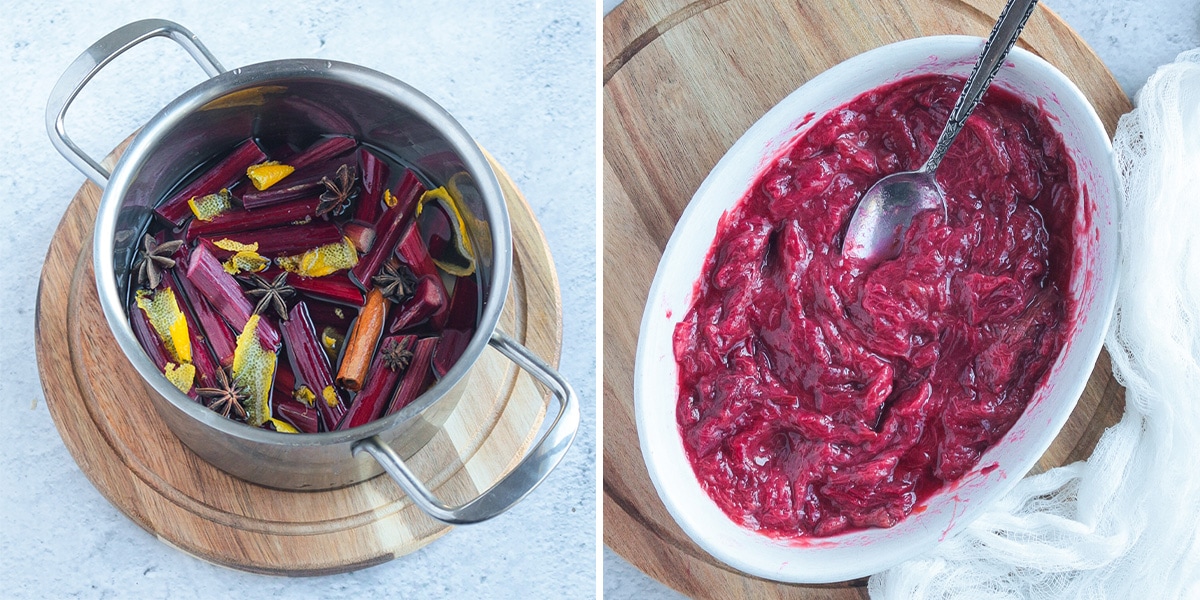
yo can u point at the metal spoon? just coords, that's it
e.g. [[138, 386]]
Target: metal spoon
[[885, 212]]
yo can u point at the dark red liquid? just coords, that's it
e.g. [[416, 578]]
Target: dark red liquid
[[815, 398]]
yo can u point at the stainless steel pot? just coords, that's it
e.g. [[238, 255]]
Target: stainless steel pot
[[306, 98]]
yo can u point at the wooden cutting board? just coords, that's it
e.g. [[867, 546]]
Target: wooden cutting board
[[111, 429], [682, 82]]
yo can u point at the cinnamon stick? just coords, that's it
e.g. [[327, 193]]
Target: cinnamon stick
[[360, 345], [375, 395]]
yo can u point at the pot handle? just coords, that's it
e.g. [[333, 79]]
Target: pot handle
[[522, 480], [95, 58]]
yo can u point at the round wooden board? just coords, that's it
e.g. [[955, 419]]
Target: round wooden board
[[682, 82], [122, 445]]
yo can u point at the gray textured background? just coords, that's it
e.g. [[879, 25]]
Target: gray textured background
[[1132, 38], [519, 75]]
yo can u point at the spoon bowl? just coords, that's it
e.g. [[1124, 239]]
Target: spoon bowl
[[877, 228], [885, 212]]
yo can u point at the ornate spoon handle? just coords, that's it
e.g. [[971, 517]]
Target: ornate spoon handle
[[995, 50]]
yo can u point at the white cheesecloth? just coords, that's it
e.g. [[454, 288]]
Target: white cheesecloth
[[1124, 523]]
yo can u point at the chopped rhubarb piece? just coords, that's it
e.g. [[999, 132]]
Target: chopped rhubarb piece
[[428, 299], [361, 234], [463, 313], [202, 357], [210, 324], [411, 251], [417, 378], [162, 309], [389, 228], [151, 343], [294, 189], [309, 362], [389, 364], [222, 175], [450, 348], [332, 288], [462, 317], [303, 418], [323, 150], [289, 239], [224, 294], [318, 114], [374, 177], [241, 220], [303, 183]]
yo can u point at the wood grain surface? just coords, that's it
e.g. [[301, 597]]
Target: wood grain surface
[[682, 81], [118, 440]]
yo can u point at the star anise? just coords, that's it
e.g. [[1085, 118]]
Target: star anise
[[338, 193], [154, 259], [226, 398], [270, 294], [396, 355], [396, 282]]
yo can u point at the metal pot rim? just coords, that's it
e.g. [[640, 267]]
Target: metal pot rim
[[147, 141]]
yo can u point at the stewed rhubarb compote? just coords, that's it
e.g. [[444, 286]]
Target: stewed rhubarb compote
[[818, 396]]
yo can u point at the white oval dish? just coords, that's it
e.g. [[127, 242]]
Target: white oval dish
[[1093, 286]]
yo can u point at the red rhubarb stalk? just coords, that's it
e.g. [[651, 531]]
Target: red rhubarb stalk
[[335, 288], [361, 234], [416, 378], [241, 220], [223, 292], [322, 150], [299, 184], [389, 228], [151, 343], [381, 380], [462, 316], [290, 189], [450, 348], [463, 313], [144, 332], [223, 175], [428, 299], [211, 325], [202, 357], [286, 240], [300, 416], [374, 176], [412, 252], [309, 362]]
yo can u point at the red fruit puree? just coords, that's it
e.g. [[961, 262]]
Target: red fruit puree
[[818, 397]]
